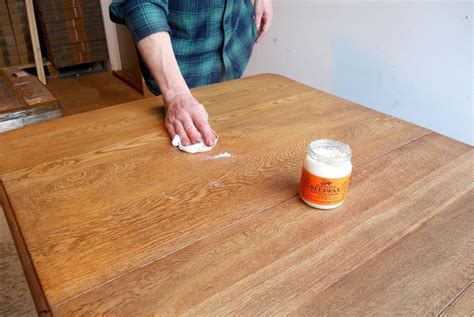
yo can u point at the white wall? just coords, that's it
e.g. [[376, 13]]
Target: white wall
[[411, 59], [110, 29]]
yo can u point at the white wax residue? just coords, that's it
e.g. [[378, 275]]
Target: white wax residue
[[328, 152], [220, 155]]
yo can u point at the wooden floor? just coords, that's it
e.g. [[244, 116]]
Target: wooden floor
[[76, 94], [92, 91]]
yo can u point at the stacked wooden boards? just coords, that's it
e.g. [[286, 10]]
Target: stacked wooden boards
[[15, 40], [24, 100], [72, 31]]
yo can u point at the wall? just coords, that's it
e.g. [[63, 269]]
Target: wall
[[111, 35], [122, 52], [412, 59]]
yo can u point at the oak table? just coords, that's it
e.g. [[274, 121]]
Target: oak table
[[109, 218]]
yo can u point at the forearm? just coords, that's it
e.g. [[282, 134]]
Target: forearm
[[157, 52], [147, 22], [185, 116]]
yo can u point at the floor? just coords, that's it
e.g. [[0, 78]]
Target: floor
[[76, 94], [92, 91], [15, 298]]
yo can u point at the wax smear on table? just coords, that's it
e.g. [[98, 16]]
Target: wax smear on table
[[194, 148]]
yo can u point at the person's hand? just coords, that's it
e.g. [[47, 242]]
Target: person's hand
[[186, 117], [263, 17]]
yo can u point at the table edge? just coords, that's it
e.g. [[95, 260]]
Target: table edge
[[32, 279], [430, 133]]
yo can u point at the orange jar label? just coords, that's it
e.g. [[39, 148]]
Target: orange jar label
[[323, 191]]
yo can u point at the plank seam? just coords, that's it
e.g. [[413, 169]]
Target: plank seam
[[455, 298], [392, 150], [177, 250], [225, 228], [380, 251]]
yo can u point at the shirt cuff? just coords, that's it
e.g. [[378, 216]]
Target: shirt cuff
[[144, 19]]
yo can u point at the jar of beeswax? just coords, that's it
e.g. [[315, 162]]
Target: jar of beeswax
[[326, 174]]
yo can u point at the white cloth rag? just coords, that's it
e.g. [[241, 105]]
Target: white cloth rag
[[194, 148]]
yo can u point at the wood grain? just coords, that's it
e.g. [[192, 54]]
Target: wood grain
[[9, 101], [113, 210], [436, 263], [24, 100], [117, 221], [283, 286], [28, 88], [94, 130], [28, 266], [463, 305], [278, 258]]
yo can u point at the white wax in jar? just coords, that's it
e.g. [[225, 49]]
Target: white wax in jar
[[326, 173]]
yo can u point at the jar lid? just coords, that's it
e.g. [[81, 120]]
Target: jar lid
[[330, 151]]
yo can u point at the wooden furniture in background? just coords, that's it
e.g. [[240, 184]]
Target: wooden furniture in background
[[24, 100], [109, 218]]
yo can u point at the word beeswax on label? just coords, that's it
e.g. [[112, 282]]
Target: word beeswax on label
[[326, 174]]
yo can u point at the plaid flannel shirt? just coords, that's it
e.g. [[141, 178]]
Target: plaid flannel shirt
[[209, 37]]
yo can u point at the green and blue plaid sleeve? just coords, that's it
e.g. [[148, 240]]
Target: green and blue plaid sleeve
[[142, 17], [211, 39]]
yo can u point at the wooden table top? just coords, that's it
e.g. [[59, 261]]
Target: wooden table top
[[109, 218]]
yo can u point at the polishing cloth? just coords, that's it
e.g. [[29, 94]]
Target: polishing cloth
[[193, 148]]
